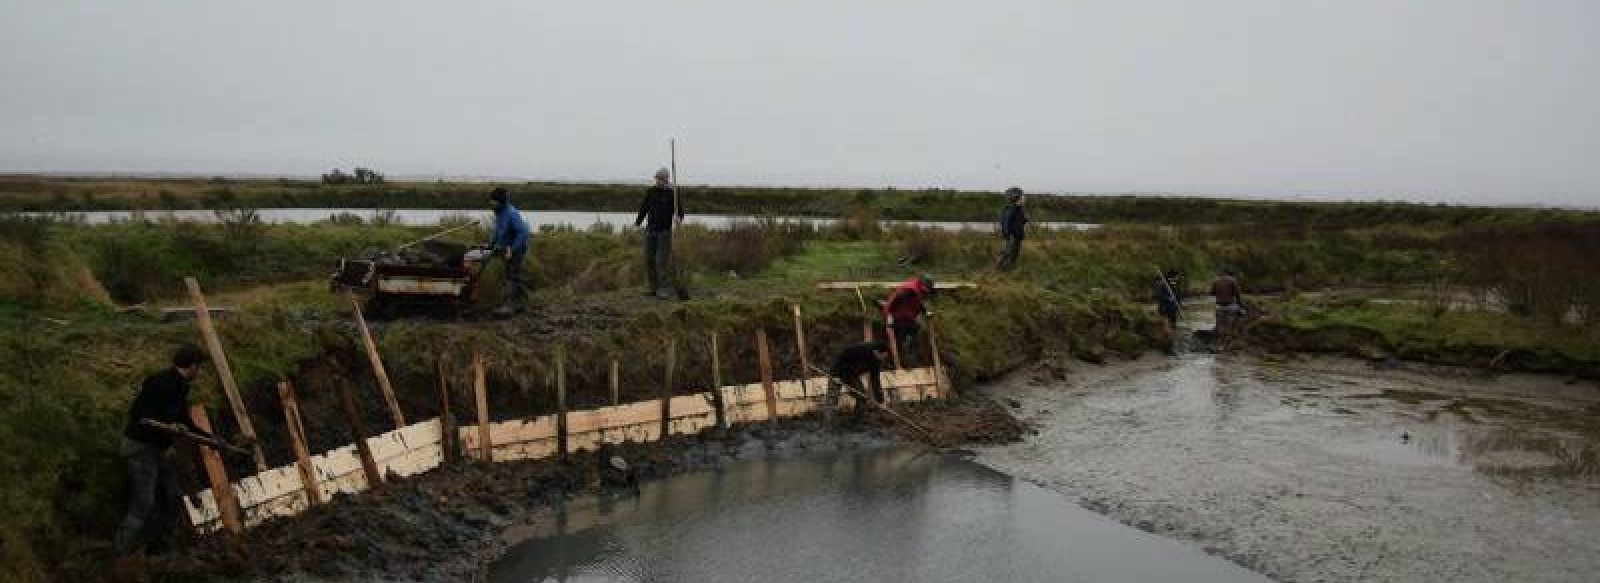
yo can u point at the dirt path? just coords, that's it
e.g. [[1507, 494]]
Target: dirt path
[[1326, 470]]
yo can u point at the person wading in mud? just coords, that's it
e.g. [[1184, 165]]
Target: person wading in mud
[[1168, 295], [904, 306], [662, 210], [1230, 308], [848, 367], [153, 494], [509, 242], [1013, 221]]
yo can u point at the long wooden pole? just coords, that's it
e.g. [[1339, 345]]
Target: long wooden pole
[[376, 361], [561, 403], [805, 356], [864, 398], [352, 416], [764, 353], [666, 389], [672, 146], [297, 442], [481, 391], [219, 359], [217, 476]]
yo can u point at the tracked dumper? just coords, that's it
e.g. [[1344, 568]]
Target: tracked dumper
[[428, 276]]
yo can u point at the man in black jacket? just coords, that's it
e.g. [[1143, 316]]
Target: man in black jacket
[[662, 209], [152, 491], [1012, 223], [857, 360]]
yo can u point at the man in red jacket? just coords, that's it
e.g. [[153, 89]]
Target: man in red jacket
[[905, 305]]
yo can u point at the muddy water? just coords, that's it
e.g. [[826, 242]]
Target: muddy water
[[1327, 469], [885, 514]]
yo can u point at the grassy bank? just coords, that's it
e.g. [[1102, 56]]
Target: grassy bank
[[45, 193], [73, 357], [1434, 332]]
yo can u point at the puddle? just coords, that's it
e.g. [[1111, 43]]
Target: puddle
[[876, 515]]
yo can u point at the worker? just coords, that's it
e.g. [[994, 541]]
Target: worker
[[1230, 307], [848, 367], [905, 305], [1012, 223], [1168, 295], [153, 492], [509, 242], [661, 208]]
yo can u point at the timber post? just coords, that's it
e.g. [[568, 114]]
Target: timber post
[[219, 359]]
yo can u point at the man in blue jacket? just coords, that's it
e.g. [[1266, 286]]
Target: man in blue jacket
[[1012, 223], [510, 242]]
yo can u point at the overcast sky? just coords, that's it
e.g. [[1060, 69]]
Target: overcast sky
[[1454, 100]]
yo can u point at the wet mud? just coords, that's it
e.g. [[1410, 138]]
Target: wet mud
[[885, 514], [1325, 469]]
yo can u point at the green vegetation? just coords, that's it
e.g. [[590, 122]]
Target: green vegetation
[[72, 356]]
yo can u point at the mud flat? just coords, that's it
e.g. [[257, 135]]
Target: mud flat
[[1324, 469]]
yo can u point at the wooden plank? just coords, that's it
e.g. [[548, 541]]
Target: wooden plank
[[800, 344], [217, 475], [297, 443], [352, 416], [219, 359], [480, 391], [561, 402], [764, 352], [666, 388], [376, 361], [836, 285], [721, 409]]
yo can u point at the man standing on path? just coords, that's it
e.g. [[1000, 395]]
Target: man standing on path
[[857, 360], [662, 210], [1168, 295], [1230, 308], [510, 242], [1013, 221], [905, 305], [152, 490]]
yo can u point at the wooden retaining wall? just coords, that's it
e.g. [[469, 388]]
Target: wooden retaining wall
[[418, 447]]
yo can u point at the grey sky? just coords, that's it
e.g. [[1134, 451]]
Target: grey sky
[[1456, 100]]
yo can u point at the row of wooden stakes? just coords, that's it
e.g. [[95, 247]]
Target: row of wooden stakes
[[230, 512]]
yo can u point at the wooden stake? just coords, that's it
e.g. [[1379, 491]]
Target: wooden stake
[[719, 408], [297, 442], [449, 436], [764, 352], [666, 389], [616, 383], [894, 344], [866, 317], [378, 371], [202, 318], [561, 402], [481, 391], [805, 357], [217, 476], [369, 466], [939, 388]]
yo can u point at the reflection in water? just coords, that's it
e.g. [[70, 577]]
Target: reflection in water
[[882, 515]]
